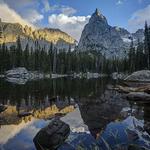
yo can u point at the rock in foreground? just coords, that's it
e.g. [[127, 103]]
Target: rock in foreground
[[141, 76], [52, 136]]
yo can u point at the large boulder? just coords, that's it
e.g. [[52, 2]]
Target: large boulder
[[52, 136], [142, 75]]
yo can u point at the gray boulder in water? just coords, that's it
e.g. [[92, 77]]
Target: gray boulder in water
[[52, 136]]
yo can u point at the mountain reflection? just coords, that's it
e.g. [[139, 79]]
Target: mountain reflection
[[44, 98], [97, 107]]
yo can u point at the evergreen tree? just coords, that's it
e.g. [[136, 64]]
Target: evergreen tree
[[55, 60], [132, 57], [18, 53], [26, 57], [50, 58], [140, 57], [147, 44], [13, 53]]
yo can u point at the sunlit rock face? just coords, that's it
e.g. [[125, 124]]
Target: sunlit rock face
[[9, 33], [111, 41]]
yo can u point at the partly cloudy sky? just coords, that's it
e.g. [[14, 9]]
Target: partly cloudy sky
[[72, 15]]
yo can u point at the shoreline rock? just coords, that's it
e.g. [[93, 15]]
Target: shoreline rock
[[118, 76], [139, 76], [21, 75], [89, 75]]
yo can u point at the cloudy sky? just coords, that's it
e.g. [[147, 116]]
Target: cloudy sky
[[71, 15]]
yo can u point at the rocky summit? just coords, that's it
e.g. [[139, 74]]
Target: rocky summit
[[9, 33], [111, 41]]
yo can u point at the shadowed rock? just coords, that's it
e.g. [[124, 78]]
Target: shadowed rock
[[52, 136]]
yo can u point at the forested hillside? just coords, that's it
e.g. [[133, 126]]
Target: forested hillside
[[66, 61]]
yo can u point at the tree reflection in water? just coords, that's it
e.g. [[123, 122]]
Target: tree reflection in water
[[101, 109]]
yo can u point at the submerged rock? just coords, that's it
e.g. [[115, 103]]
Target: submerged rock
[[52, 136], [142, 75]]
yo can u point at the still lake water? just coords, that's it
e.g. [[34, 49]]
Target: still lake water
[[99, 118]]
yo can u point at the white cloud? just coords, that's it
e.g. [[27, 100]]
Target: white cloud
[[138, 18], [73, 25], [26, 16], [9, 15], [67, 10], [32, 16], [119, 2], [47, 6]]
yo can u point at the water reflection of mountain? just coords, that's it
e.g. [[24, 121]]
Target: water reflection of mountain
[[97, 112], [98, 106], [37, 97], [12, 115]]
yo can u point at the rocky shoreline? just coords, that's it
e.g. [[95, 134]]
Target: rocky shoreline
[[136, 87], [21, 75]]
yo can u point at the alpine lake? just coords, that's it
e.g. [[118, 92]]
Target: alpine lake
[[99, 118]]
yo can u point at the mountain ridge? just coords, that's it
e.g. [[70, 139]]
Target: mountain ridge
[[111, 41], [9, 32]]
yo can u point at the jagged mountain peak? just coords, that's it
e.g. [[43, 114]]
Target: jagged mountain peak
[[97, 12], [97, 16], [111, 41]]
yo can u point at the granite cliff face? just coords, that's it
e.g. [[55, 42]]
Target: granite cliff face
[[9, 33], [111, 41]]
